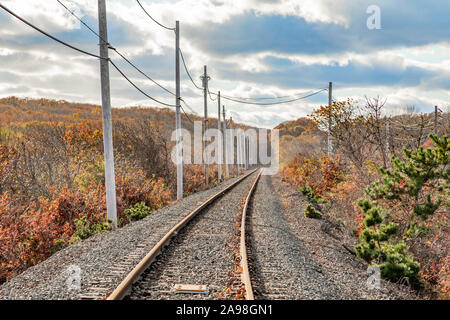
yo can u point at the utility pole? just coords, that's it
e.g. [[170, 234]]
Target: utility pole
[[219, 142], [232, 139], [330, 102], [387, 137], [238, 151], [110, 181], [435, 120], [227, 173], [205, 79], [178, 114], [246, 153], [242, 152]]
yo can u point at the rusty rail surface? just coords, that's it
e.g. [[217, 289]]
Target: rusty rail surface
[[243, 248], [125, 286]]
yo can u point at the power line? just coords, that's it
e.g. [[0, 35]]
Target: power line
[[269, 98], [209, 93], [141, 72], [128, 61], [272, 103], [137, 88], [188, 106], [173, 29], [186, 114], [85, 52], [187, 71], [49, 35], [79, 19], [117, 51], [239, 100]]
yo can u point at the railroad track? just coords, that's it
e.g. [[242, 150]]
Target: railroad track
[[199, 254]]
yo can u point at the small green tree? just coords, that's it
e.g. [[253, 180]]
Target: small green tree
[[85, 228], [138, 211], [415, 188], [311, 212]]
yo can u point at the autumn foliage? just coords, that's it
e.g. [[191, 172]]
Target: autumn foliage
[[52, 174], [52, 177], [405, 172], [320, 174]]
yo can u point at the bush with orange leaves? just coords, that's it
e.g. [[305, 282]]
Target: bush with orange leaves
[[33, 232], [319, 174], [136, 188], [194, 177], [437, 275]]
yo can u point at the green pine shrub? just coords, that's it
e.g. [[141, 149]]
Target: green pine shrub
[[312, 213], [309, 194], [138, 211], [85, 228], [414, 189]]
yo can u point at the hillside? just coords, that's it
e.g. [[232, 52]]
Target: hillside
[[299, 136]]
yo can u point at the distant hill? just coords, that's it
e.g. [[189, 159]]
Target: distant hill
[[16, 111], [299, 135]]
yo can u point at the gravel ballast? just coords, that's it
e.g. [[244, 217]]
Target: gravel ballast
[[312, 249], [110, 255], [291, 256], [201, 254]]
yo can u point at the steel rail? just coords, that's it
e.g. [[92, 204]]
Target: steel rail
[[122, 290], [245, 275]]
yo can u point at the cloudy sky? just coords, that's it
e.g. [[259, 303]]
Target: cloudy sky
[[253, 48]]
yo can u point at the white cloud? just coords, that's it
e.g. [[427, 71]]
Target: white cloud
[[44, 68]]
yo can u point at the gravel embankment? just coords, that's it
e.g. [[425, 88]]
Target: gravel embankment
[[201, 254], [281, 267], [309, 253], [104, 259]]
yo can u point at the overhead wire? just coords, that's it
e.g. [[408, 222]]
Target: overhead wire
[[81, 20], [85, 52], [187, 71], [131, 64], [154, 20], [210, 96], [137, 88], [116, 50], [238, 100], [269, 98], [50, 36], [188, 106], [141, 72], [190, 120], [272, 103], [128, 61]]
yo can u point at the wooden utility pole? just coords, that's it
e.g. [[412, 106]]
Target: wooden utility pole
[[435, 120], [178, 114], [330, 103], [225, 149], [242, 136], [219, 142], [110, 182], [387, 138], [246, 153], [205, 79], [231, 139], [238, 150]]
